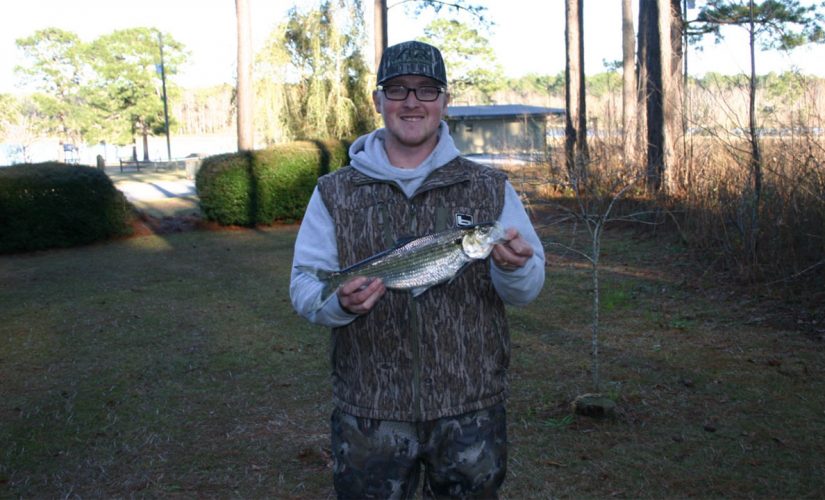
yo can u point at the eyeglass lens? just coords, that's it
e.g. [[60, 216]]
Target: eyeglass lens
[[400, 92]]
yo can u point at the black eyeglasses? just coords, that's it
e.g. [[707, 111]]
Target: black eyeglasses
[[400, 92]]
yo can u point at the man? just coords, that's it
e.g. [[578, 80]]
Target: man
[[415, 380]]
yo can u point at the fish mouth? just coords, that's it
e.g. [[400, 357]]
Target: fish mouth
[[478, 243], [492, 231]]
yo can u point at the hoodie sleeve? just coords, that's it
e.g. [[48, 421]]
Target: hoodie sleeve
[[520, 286], [316, 248]]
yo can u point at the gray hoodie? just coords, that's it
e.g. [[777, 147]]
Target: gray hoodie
[[316, 247]]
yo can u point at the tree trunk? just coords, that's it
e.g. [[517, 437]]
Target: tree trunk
[[244, 89], [647, 11], [575, 144], [380, 18], [654, 105], [756, 152], [628, 85], [663, 56], [675, 175], [594, 331], [145, 135]]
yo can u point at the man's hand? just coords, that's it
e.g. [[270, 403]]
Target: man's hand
[[512, 254], [360, 294]]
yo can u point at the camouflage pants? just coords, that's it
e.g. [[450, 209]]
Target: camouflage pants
[[463, 456]]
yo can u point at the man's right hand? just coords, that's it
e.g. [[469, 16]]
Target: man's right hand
[[360, 294]]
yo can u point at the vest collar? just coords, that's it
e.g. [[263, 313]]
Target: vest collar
[[451, 173]]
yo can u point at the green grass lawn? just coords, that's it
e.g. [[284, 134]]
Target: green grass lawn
[[174, 365]]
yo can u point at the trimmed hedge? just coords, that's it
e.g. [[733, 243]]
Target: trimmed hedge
[[51, 205], [261, 187]]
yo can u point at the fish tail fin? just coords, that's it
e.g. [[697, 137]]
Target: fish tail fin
[[325, 277]]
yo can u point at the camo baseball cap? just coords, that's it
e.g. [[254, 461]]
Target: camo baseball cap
[[412, 58]]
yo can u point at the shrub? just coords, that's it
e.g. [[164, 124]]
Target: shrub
[[49, 205], [261, 187]]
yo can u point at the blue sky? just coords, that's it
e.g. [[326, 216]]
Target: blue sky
[[528, 36]]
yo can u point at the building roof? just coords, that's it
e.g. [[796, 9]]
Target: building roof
[[500, 110]]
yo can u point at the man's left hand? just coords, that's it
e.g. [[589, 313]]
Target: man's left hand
[[512, 254]]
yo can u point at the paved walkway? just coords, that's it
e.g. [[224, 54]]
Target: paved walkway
[[159, 193]]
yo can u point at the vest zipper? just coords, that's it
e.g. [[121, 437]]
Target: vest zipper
[[415, 334], [415, 338]]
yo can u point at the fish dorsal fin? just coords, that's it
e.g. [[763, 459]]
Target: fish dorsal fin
[[400, 242]]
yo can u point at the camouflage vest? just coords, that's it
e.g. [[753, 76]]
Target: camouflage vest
[[445, 352]]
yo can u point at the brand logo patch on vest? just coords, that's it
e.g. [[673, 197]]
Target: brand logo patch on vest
[[463, 220]]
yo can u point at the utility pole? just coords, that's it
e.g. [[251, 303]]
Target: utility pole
[[165, 106]]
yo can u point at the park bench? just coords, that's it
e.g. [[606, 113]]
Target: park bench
[[131, 164]]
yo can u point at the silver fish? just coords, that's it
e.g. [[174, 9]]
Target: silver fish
[[421, 263]]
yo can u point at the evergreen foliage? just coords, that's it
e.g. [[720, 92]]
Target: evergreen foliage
[[106, 89], [777, 24], [51, 205], [126, 89], [473, 68], [54, 65], [265, 186]]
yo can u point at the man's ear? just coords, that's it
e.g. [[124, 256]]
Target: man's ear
[[376, 100], [446, 100]]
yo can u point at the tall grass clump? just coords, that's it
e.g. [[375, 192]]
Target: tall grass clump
[[50, 205], [787, 223], [770, 233], [264, 186]]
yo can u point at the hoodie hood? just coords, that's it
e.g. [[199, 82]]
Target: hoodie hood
[[369, 157]]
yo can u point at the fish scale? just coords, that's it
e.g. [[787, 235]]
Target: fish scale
[[439, 263]]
